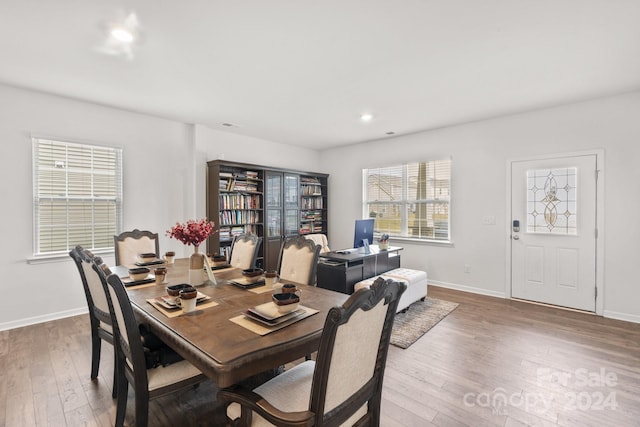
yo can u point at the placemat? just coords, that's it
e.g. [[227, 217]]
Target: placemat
[[144, 285], [262, 330], [261, 289], [178, 312]]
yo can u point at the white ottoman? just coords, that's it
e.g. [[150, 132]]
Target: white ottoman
[[415, 280]]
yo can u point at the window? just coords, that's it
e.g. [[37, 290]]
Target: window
[[411, 200], [77, 196]]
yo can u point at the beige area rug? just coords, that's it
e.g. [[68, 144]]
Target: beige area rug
[[421, 316]]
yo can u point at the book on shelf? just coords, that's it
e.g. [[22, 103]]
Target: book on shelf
[[309, 180]]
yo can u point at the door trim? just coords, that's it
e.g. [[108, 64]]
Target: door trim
[[599, 153]]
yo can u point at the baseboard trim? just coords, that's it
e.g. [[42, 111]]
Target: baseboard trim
[[633, 318], [622, 316], [41, 319], [470, 289]]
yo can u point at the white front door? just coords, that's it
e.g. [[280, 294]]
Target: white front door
[[553, 231]]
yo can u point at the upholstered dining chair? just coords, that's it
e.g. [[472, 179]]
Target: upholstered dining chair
[[99, 316], [129, 244], [132, 369], [244, 251], [298, 260], [320, 240], [343, 386]]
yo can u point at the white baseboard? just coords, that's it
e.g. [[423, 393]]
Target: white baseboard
[[465, 288], [633, 318], [622, 316], [41, 319]]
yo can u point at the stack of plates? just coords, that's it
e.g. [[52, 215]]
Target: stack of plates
[[268, 314]]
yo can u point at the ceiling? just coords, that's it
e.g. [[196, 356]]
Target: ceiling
[[302, 72]]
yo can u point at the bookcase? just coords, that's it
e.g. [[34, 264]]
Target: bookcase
[[272, 203], [313, 202], [235, 198]]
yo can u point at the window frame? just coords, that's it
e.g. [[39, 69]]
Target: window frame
[[406, 201], [115, 200]]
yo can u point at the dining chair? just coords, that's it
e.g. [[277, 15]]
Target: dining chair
[[244, 251], [129, 244], [99, 317], [343, 386], [298, 260], [320, 240], [132, 369]]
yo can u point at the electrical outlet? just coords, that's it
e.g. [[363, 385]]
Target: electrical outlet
[[467, 268]]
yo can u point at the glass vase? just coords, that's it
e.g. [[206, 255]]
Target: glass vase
[[196, 268]]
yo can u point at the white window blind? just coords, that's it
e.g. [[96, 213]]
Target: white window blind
[[77, 196], [410, 200]]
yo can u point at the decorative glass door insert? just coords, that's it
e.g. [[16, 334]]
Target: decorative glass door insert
[[551, 201]]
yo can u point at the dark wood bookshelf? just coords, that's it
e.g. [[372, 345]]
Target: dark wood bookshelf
[[270, 202]]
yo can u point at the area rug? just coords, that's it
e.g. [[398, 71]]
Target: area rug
[[421, 316]]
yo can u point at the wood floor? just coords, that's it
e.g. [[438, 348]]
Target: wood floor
[[492, 362]]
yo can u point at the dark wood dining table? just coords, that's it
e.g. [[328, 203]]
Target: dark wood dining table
[[223, 350]]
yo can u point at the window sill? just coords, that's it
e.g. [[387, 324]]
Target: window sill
[[441, 243], [44, 259]]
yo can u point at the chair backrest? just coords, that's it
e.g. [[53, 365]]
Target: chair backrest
[[347, 380], [94, 292], [320, 240], [126, 330], [244, 251], [298, 260], [129, 244]]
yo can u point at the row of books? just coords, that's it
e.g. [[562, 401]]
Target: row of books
[[309, 180], [228, 233], [242, 175], [238, 185], [311, 190], [311, 203], [311, 215], [311, 227], [239, 201], [239, 217]]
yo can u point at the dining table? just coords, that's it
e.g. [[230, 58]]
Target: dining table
[[219, 337]]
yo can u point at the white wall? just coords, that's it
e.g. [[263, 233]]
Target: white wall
[[213, 144], [480, 153], [164, 168]]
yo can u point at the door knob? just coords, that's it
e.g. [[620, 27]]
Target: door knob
[[516, 237]]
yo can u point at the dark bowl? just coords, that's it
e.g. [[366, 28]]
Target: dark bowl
[[147, 256], [218, 260], [285, 299], [252, 274], [188, 293], [174, 290], [286, 303], [138, 273]]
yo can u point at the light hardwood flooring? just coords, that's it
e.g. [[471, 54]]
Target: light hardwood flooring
[[492, 362]]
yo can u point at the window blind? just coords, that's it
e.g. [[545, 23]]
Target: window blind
[[410, 200], [77, 196]]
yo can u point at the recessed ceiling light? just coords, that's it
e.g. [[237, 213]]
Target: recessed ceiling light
[[122, 35], [366, 117]]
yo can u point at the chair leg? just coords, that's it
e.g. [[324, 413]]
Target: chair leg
[[114, 389], [121, 407], [142, 409], [96, 344]]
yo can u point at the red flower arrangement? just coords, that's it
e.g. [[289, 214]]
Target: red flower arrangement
[[192, 232]]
